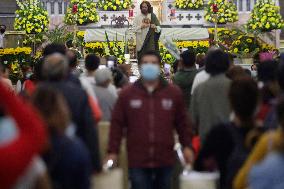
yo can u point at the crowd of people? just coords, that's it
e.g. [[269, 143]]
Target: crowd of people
[[225, 119]]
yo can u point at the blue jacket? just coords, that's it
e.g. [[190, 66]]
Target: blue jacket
[[269, 173], [68, 163]]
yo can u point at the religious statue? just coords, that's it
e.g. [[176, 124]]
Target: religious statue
[[147, 28], [2, 35]]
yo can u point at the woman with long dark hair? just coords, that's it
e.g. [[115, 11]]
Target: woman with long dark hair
[[227, 145]]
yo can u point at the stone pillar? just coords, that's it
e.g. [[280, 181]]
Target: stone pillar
[[281, 4], [7, 13]]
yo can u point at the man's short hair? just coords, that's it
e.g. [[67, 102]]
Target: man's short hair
[[54, 48], [2, 68], [92, 62], [216, 62], [188, 58], [150, 53], [72, 58], [55, 67], [267, 71]]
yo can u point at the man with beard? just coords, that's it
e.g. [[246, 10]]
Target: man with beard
[[147, 27]]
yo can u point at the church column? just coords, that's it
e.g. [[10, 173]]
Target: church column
[[281, 4]]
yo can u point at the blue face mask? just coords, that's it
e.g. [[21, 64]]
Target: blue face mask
[[150, 72]]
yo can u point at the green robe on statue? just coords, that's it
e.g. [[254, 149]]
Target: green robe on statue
[[146, 38]]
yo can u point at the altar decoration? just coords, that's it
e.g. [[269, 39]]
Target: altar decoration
[[114, 5], [197, 47], [19, 54], [117, 49], [32, 18], [265, 17], [104, 49], [15, 59], [228, 36], [245, 47], [166, 56], [81, 12], [221, 11], [189, 4]]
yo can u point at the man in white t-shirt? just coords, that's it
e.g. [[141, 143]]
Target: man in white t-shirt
[[199, 78]]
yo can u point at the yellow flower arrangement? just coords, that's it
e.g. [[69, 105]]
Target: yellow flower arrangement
[[32, 18], [114, 5], [265, 16], [245, 46], [189, 4], [16, 51], [86, 12], [81, 34], [14, 59], [196, 46], [227, 12]]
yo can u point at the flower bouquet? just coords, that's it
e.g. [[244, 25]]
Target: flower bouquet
[[265, 17], [114, 5], [189, 4], [81, 12], [221, 11], [245, 47], [32, 18]]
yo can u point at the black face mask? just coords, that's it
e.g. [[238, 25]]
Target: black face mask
[[2, 30]]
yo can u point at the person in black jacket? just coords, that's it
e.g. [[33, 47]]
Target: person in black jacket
[[227, 145], [55, 70]]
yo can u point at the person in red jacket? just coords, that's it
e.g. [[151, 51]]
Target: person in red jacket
[[16, 155], [149, 111]]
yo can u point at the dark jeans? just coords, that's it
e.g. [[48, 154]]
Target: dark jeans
[[150, 178]]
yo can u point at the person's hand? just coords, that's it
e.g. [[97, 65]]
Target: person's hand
[[188, 155], [144, 25], [113, 157], [153, 26]]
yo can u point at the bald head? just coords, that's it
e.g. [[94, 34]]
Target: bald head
[[55, 67]]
